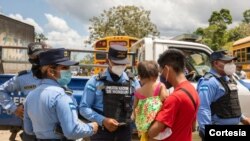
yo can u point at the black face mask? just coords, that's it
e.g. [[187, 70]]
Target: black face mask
[[165, 82]]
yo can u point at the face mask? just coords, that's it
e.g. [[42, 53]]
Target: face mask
[[229, 68], [65, 77], [118, 70], [165, 82]]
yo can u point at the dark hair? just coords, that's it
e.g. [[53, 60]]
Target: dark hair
[[41, 74], [174, 58], [148, 69]]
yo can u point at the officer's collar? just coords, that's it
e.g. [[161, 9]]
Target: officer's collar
[[218, 75], [122, 77], [50, 82]]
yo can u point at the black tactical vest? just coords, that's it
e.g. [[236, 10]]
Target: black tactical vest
[[227, 106], [117, 100]]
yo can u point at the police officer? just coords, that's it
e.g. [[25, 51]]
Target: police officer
[[49, 112], [107, 98], [23, 82], [219, 95]]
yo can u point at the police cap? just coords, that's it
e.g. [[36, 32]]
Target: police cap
[[221, 55], [55, 56], [118, 54]]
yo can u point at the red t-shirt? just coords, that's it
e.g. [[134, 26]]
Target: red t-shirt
[[178, 112]]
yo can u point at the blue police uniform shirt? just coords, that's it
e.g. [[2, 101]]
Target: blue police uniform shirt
[[210, 91], [92, 97], [47, 106], [24, 83]]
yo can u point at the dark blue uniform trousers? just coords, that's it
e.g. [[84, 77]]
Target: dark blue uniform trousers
[[123, 133]]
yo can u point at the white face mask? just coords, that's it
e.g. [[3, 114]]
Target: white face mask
[[118, 70], [230, 68]]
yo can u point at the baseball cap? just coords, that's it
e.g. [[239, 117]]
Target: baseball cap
[[35, 48], [55, 56], [118, 54], [221, 55]]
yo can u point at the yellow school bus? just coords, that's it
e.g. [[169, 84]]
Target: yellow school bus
[[241, 49], [103, 44]]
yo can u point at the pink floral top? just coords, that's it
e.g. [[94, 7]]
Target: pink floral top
[[146, 109]]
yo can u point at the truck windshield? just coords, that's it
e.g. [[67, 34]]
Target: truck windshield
[[197, 61]]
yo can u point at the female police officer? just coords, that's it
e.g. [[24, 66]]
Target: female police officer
[[49, 106]]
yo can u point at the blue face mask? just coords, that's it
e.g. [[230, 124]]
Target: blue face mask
[[65, 77]]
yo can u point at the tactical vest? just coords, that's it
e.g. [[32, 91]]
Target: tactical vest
[[117, 100], [227, 106]]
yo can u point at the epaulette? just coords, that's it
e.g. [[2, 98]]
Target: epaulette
[[130, 75], [208, 75], [101, 76], [22, 72], [68, 91]]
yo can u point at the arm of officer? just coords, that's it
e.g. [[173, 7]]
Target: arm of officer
[[87, 102], [28, 128], [207, 90], [244, 120], [8, 87], [72, 127]]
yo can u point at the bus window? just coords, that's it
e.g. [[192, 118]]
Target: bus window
[[248, 54], [100, 56], [241, 49], [101, 44]]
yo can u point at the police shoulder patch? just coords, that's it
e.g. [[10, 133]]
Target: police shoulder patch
[[72, 106], [22, 72], [203, 88], [91, 87], [68, 91]]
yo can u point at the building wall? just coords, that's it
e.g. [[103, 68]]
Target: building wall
[[14, 33]]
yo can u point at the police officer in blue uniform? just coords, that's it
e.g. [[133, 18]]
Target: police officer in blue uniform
[[23, 82], [219, 95], [50, 113], [107, 98]]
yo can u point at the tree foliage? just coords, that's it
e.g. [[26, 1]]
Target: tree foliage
[[215, 35], [240, 31], [246, 16], [122, 20], [39, 37]]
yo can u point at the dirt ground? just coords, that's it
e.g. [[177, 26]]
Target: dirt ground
[[4, 136]]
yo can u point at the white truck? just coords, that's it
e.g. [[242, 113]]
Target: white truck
[[197, 57]]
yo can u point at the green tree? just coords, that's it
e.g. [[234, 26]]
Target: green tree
[[238, 32], [221, 18], [39, 37], [88, 59], [246, 16], [122, 20], [215, 35]]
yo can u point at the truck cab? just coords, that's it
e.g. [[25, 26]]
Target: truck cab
[[197, 61]]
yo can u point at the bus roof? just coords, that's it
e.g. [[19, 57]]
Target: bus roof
[[116, 38], [242, 41]]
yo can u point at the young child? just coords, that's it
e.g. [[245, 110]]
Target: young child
[[148, 99]]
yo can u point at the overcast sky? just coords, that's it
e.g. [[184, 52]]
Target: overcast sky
[[66, 22]]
